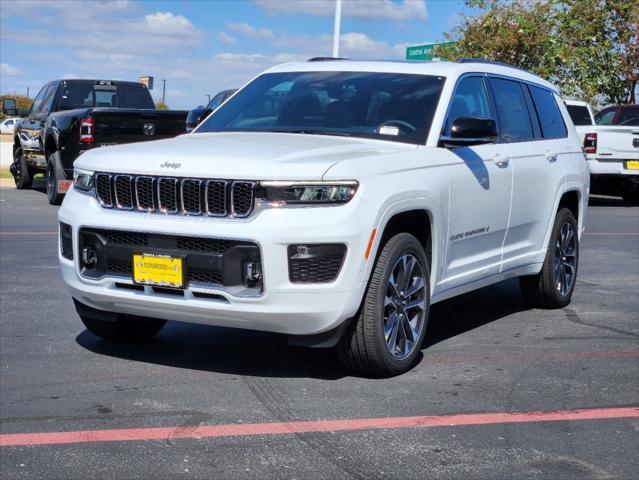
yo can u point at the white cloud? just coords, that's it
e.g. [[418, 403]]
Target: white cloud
[[10, 70], [386, 9], [251, 31], [224, 37], [166, 23]]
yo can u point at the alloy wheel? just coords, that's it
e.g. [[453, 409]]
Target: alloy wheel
[[565, 259], [404, 306]]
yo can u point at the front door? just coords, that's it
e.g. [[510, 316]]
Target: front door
[[480, 184]]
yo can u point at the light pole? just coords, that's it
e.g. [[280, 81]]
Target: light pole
[[209, 98], [163, 90], [336, 27], [28, 88]]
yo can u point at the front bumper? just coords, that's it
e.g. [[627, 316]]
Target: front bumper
[[281, 306]]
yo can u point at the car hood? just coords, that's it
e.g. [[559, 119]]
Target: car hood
[[237, 155]]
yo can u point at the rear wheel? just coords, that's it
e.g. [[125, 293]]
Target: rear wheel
[[118, 326], [386, 337], [54, 174], [22, 174], [553, 286]]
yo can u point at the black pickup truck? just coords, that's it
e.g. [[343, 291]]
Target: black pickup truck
[[69, 117]]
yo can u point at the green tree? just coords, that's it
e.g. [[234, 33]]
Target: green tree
[[160, 105], [587, 47]]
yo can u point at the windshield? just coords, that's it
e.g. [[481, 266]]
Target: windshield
[[386, 106], [82, 94]]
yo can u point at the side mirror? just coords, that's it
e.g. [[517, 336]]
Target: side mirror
[[468, 131], [203, 115]]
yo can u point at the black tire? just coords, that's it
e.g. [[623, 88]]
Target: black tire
[[544, 290], [631, 197], [22, 174], [54, 173], [363, 347], [118, 327]]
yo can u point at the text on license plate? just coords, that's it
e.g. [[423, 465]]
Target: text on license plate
[[633, 165], [160, 270]]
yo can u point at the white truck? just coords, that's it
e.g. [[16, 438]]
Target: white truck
[[611, 143], [334, 202]]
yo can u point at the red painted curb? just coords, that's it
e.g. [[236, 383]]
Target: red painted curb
[[283, 428]]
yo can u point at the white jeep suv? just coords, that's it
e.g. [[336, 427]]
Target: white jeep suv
[[333, 201]]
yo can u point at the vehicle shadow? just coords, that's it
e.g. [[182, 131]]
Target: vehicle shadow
[[251, 353], [605, 201]]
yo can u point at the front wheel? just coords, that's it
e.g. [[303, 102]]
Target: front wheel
[[553, 286], [386, 336], [54, 174], [21, 172]]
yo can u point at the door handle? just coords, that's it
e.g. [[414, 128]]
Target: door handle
[[551, 156], [501, 160]]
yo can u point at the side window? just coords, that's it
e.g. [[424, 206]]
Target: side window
[[605, 118], [579, 115], [469, 100], [215, 102], [552, 123], [512, 112], [629, 117], [37, 103], [47, 102], [534, 119]]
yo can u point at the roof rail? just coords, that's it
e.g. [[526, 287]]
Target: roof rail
[[490, 62], [326, 59]]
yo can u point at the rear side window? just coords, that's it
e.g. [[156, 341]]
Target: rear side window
[[629, 117], [512, 113], [579, 115], [550, 119]]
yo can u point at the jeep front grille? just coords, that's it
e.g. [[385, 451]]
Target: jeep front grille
[[178, 196]]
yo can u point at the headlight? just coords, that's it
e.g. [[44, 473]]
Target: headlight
[[309, 193], [82, 180]]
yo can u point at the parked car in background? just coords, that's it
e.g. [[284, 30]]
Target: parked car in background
[[198, 114], [8, 125], [611, 147], [334, 202], [69, 117], [623, 115]]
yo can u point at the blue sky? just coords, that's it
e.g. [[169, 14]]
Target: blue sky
[[199, 46]]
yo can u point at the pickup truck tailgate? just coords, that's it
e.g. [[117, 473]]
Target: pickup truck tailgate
[[117, 125], [617, 143]]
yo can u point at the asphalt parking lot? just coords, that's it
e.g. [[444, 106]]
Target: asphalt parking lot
[[501, 391]]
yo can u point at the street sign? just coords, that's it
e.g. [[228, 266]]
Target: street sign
[[425, 52]]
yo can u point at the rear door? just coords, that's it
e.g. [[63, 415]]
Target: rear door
[[480, 187], [539, 155]]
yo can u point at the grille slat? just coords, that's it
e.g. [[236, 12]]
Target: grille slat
[[242, 198], [103, 189], [144, 194], [123, 191], [192, 196], [177, 196]]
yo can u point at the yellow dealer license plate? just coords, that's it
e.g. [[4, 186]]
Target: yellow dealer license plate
[[634, 165], [158, 270]]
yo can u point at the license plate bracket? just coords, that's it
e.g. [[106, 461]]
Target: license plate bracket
[[158, 270]]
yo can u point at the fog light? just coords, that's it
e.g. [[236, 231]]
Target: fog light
[[89, 256], [252, 273]]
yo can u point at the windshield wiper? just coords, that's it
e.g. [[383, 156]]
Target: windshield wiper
[[315, 132]]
